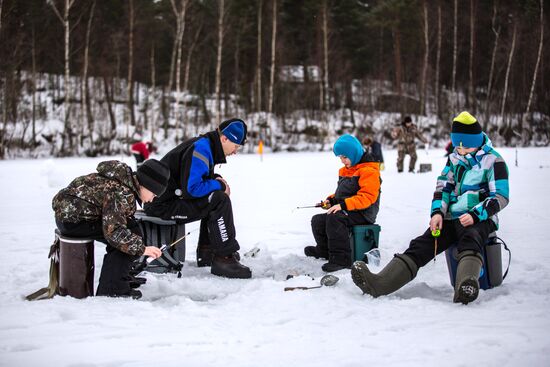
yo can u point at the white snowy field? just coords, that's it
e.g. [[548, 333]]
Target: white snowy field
[[204, 320]]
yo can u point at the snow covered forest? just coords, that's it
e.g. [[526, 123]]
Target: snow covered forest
[[90, 77]]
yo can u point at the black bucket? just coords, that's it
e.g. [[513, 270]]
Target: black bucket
[[76, 266]]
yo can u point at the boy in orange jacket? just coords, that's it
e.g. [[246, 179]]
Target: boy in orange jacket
[[355, 202]]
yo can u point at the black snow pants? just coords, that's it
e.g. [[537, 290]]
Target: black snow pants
[[115, 272], [331, 233], [217, 229], [473, 237]]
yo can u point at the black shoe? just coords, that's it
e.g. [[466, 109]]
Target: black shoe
[[467, 291], [132, 293], [229, 267], [312, 251], [204, 256], [136, 282], [411, 171], [330, 267]]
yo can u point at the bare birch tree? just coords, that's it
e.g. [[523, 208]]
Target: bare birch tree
[[259, 59], [153, 124], [438, 62], [539, 56], [324, 90], [67, 129], [455, 52], [180, 30], [508, 68], [471, 92], [130, 81], [86, 108], [496, 31], [272, 71], [219, 60], [426, 60]]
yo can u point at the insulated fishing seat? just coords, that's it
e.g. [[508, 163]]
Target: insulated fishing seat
[[364, 238], [160, 232]]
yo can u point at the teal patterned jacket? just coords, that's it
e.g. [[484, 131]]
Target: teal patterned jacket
[[476, 184]]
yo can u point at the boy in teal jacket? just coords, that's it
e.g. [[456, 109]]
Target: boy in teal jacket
[[470, 191]]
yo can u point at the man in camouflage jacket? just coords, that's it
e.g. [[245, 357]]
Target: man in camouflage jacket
[[101, 206], [406, 134]]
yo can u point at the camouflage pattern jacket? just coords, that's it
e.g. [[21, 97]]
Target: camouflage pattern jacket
[[406, 136], [110, 196]]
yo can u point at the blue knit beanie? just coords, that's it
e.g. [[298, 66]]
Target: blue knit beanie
[[234, 130], [348, 146]]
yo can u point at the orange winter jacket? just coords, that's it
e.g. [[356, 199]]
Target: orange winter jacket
[[359, 188]]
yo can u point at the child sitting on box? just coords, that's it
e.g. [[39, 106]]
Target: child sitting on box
[[355, 202], [471, 190]]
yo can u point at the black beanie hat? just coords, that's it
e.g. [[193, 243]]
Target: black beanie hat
[[406, 119], [153, 175]]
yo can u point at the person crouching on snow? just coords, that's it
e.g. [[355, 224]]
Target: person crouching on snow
[[471, 190], [101, 206], [355, 202]]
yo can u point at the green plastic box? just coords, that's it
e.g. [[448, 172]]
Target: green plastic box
[[363, 239]]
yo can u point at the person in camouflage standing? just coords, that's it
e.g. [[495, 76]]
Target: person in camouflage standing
[[101, 206], [406, 133]]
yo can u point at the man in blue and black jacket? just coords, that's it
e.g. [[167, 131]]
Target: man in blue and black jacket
[[195, 192]]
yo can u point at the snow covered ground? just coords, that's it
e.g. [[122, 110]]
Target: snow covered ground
[[203, 320]]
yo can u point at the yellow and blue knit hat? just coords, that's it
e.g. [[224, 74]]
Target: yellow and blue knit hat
[[466, 131]]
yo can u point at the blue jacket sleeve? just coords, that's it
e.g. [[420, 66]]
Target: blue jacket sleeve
[[199, 184], [499, 192]]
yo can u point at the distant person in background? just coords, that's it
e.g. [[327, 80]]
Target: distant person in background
[[449, 148], [406, 134], [374, 148], [141, 151], [471, 190], [355, 202]]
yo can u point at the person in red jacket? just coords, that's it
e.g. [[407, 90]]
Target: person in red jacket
[[355, 202], [141, 151]]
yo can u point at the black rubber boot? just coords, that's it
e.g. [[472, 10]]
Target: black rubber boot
[[467, 276], [330, 267], [399, 271], [229, 267], [204, 256], [313, 251]]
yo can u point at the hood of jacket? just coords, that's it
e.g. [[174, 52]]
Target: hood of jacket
[[118, 171]]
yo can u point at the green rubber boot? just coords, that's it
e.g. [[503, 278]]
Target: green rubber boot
[[467, 276], [399, 271]]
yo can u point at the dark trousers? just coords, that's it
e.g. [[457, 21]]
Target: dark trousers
[[115, 271], [473, 237], [217, 228], [331, 233], [139, 159]]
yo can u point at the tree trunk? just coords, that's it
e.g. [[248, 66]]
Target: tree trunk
[[259, 60], [153, 125], [189, 54], [425, 65], [180, 30], [1, 6], [86, 90], [130, 85], [326, 100], [438, 62], [454, 104], [397, 58], [508, 68], [471, 92], [539, 57], [272, 71], [33, 56], [219, 61], [67, 129], [496, 32]]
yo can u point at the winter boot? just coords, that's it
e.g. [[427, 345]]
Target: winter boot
[[399, 271], [331, 267], [204, 256], [229, 267], [313, 251], [467, 275]]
